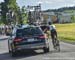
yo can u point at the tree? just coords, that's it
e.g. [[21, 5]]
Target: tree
[[12, 5], [4, 10], [24, 14], [19, 14], [72, 18], [6, 6]]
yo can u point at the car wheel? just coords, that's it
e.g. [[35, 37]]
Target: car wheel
[[9, 47], [13, 52], [46, 49]]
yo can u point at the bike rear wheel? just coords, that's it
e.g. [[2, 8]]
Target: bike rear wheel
[[56, 45]]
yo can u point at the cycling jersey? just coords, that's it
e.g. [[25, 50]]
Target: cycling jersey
[[52, 27]]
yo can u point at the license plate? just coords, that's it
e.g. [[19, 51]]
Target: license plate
[[31, 40]]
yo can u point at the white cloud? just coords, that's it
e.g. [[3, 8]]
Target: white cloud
[[39, 2], [56, 1], [1, 0], [44, 2], [48, 4]]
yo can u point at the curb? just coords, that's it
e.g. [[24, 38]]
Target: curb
[[73, 43], [4, 39]]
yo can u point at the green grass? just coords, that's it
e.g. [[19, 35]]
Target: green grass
[[66, 32]]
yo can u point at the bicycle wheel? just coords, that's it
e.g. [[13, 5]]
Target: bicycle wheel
[[56, 44]]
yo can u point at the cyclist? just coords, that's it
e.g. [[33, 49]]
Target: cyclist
[[53, 33]]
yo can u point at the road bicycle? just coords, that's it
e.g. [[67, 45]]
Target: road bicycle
[[56, 43]]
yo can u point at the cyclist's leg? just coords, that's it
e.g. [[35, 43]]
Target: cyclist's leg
[[53, 41], [57, 45], [55, 33], [56, 39]]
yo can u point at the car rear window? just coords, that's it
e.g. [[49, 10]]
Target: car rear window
[[44, 27], [29, 31]]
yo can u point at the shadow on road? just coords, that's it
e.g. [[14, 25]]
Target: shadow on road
[[63, 51], [6, 56]]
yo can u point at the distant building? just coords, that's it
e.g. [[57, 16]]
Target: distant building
[[64, 17], [49, 17]]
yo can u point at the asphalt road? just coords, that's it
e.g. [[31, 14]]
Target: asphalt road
[[67, 53]]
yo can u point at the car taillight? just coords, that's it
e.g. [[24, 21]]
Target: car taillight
[[42, 36], [17, 39]]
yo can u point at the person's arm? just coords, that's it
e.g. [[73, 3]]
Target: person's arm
[[45, 30]]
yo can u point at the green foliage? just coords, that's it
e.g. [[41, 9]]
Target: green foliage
[[23, 15], [5, 6], [4, 10], [20, 14], [11, 4], [72, 18], [66, 32]]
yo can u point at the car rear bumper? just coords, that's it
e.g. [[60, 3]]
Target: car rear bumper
[[31, 46]]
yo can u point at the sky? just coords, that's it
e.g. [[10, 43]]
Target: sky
[[47, 4]]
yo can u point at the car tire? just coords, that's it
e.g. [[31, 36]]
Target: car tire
[[45, 49], [13, 53], [9, 47]]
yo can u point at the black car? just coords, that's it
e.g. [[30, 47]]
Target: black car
[[27, 38]]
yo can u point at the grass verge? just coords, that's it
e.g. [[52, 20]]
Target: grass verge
[[66, 32]]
